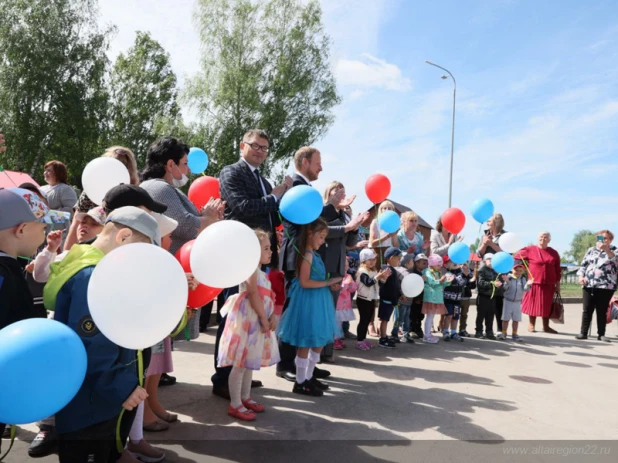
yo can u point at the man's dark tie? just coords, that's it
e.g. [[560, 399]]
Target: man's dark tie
[[259, 181]]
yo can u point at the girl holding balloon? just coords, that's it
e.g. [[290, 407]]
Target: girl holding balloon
[[248, 341], [379, 238], [433, 296], [309, 320]]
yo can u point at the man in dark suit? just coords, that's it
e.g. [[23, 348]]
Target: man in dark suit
[[308, 164], [250, 199]]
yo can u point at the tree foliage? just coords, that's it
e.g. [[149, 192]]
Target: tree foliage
[[53, 96], [264, 64], [143, 90], [581, 242]]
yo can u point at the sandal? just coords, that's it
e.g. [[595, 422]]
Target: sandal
[[156, 426], [244, 415], [253, 405], [168, 417]]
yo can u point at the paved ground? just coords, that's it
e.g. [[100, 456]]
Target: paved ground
[[446, 402]]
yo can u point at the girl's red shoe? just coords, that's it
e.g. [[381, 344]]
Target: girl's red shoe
[[253, 405], [246, 415]]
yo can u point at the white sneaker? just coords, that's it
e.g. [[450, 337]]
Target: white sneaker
[[501, 337], [431, 340]]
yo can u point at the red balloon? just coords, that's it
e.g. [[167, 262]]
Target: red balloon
[[201, 296], [377, 187], [183, 256], [202, 189], [453, 220]]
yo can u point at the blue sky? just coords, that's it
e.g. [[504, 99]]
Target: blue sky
[[537, 103]]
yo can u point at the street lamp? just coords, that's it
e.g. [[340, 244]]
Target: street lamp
[[450, 185]]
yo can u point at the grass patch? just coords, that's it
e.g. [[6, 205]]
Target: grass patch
[[570, 290]]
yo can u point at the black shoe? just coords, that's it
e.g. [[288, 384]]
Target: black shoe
[[288, 375], [419, 334], [604, 339], [394, 340], [167, 380], [409, 339], [307, 388], [384, 342], [319, 373], [490, 336], [581, 336], [221, 391], [319, 384], [349, 335], [45, 443], [255, 383]]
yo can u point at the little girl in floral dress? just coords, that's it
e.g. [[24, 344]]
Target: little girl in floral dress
[[344, 312], [248, 341]]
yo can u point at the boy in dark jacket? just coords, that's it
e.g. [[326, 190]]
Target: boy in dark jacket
[[452, 301], [86, 426], [416, 311], [23, 220], [390, 292], [489, 286], [466, 295]]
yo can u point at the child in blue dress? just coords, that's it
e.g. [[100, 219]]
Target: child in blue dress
[[309, 320]]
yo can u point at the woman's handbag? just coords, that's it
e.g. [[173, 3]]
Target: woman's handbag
[[557, 310]]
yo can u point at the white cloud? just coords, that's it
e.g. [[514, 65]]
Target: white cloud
[[371, 73]]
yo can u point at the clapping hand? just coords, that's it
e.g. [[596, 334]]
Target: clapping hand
[[336, 196], [346, 202], [279, 190], [214, 209]]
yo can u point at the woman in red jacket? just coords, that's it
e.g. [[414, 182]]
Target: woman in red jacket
[[544, 267]]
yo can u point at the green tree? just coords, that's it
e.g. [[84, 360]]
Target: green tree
[[264, 64], [581, 242], [53, 97], [143, 88]]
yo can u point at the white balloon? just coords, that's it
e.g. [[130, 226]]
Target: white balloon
[[137, 295], [412, 285], [509, 242], [225, 254], [101, 175]]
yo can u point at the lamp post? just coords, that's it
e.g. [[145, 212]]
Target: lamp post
[[450, 185]]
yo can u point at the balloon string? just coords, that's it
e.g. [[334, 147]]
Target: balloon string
[[380, 252], [181, 325], [527, 268], [13, 431], [298, 250], [493, 289], [140, 378]]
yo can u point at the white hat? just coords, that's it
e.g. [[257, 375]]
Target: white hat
[[367, 254], [489, 256], [166, 224], [96, 213]]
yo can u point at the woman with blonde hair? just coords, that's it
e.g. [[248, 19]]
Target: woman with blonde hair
[[410, 240], [377, 237]]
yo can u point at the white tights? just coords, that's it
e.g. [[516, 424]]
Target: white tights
[[240, 385], [428, 324]]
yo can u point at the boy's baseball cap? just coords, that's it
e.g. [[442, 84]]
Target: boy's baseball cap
[[367, 254], [392, 252], [446, 258], [518, 263], [166, 224], [420, 257], [19, 205], [131, 195], [96, 213], [488, 256], [137, 219]]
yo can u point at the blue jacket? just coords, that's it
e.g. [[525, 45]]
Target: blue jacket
[[111, 376]]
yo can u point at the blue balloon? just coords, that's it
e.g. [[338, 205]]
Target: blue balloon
[[389, 221], [197, 160], [459, 253], [502, 262], [43, 364], [301, 205], [482, 210]]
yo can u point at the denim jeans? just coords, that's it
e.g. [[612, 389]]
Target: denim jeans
[[402, 319]]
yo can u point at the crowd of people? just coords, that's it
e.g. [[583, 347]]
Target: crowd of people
[[293, 312]]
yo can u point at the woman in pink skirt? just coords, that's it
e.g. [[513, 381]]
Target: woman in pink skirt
[[544, 266]]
